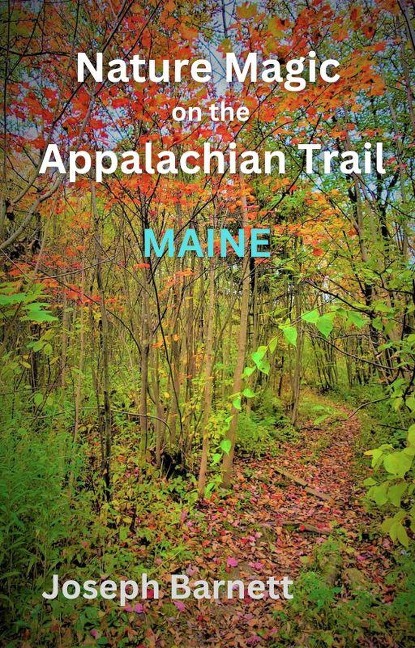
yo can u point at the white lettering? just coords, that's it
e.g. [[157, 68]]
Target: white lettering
[[180, 586]]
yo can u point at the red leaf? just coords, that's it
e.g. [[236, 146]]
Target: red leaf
[[180, 606], [232, 562]]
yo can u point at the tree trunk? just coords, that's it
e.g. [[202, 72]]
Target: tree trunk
[[207, 401], [106, 464], [227, 466]]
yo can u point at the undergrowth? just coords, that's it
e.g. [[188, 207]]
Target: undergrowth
[[334, 605]]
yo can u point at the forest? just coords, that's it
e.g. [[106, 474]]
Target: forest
[[216, 414]]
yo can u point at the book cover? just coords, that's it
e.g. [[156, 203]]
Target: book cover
[[207, 324]]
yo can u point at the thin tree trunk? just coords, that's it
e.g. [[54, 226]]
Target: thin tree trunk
[[78, 392], [227, 466], [207, 401], [64, 347], [298, 356], [145, 350], [106, 467]]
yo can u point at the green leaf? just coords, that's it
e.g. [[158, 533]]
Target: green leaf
[[38, 399], [273, 344], [356, 318], [264, 366], [311, 317], [325, 325], [377, 324], [410, 402], [248, 393], [377, 454], [226, 445], [396, 491], [381, 307], [39, 317], [216, 458], [386, 524], [248, 371], [411, 435], [209, 488], [237, 402], [393, 526], [37, 346], [10, 300], [258, 355], [36, 313], [397, 463], [290, 334], [402, 536], [397, 403], [378, 494]]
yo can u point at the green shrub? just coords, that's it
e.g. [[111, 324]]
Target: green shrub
[[36, 515], [335, 605], [261, 431], [268, 407]]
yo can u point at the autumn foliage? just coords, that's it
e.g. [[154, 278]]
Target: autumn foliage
[[168, 409]]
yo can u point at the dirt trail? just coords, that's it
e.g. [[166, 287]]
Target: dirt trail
[[267, 527]]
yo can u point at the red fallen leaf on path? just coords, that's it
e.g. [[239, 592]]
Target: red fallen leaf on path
[[180, 606], [232, 562], [252, 641]]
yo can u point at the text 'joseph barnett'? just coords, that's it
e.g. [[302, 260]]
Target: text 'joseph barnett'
[[180, 588], [209, 160]]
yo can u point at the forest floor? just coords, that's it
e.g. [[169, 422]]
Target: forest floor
[[271, 525]]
